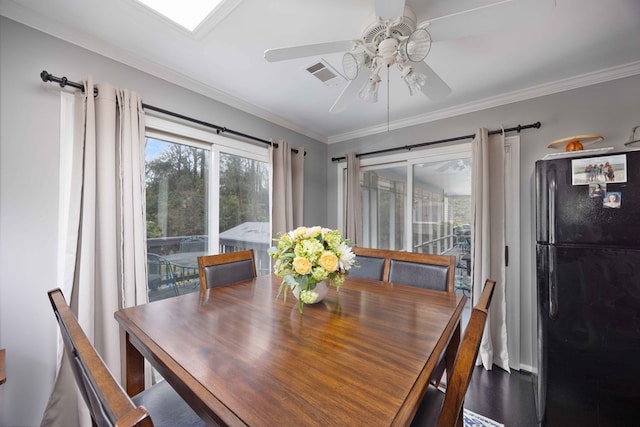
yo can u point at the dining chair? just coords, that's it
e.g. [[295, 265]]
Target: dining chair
[[373, 263], [3, 374], [445, 409], [222, 269], [108, 403], [422, 270]]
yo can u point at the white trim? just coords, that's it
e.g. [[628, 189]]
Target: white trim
[[407, 159], [588, 79], [19, 13], [528, 368], [512, 240], [167, 130], [23, 15], [184, 134], [213, 204]]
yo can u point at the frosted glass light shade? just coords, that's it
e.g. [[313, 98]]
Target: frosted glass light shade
[[415, 81], [353, 63], [369, 91], [417, 46]]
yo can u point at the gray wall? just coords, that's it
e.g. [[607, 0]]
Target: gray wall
[[29, 128], [610, 109]]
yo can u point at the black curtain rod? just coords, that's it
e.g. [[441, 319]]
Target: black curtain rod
[[441, 141], [63, 81]]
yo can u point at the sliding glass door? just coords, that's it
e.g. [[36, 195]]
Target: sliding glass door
[[420, 202], [384, 195], [205, 194]]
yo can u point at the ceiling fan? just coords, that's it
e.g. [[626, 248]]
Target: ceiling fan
[[391, 38]]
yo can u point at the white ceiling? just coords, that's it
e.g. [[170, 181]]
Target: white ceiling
[[514, 50]]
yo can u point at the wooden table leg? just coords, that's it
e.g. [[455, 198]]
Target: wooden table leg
[[133, 366]]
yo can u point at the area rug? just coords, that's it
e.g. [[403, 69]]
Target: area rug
[[471, 419]]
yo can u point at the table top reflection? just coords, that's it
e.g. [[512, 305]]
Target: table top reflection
[[240, 355]]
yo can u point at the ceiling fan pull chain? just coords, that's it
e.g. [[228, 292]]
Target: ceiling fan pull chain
[[388, 92]]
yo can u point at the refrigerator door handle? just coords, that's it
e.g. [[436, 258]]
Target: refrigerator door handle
[[551, 196], [553, 284]]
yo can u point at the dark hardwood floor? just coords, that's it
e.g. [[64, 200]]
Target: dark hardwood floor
[[507, 398]]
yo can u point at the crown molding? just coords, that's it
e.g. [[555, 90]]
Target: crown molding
[[28, 17], [563, 85]]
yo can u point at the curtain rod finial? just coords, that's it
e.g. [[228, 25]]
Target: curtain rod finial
[[45, 76]]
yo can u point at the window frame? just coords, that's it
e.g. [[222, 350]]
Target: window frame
[[407, 159], [171, 131]]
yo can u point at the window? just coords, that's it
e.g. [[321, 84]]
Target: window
[[384, 191], [419, 204], [204, 194], [437, 217]]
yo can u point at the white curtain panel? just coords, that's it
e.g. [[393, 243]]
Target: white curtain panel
[[488, 237], [287, 171], [353, 227], [107, 225]]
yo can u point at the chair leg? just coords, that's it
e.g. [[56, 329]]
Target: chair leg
[[460, 420]]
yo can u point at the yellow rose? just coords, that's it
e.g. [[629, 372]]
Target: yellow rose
[[329, 261], [299, 232], [301, 265]]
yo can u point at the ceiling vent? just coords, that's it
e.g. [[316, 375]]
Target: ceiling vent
[[325, 73]]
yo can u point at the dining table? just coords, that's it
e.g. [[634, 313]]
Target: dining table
[[244, 355]]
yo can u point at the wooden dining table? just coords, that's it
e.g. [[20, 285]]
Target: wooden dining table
[[241, 355]]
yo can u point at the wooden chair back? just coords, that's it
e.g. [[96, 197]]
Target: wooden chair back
[[423, 270], [406, 268], [452, 408], [3, 374], [108, 403], [373, 264], [222, 269]]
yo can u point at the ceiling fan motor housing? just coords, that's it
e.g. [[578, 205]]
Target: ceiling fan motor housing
[[387, 49], [376, 30]]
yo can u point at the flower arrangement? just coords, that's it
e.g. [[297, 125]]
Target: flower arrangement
[[308, 255]]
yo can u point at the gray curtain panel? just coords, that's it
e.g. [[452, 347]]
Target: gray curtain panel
[[104, 244], [288, 188], [488, 241], [353, 214]]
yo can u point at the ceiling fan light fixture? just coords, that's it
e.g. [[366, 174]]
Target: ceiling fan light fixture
[[369, 92], [353, 63], [414, 80], [417, 46]]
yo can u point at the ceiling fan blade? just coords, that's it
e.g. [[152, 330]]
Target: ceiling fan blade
[[350, 92], [390, 9], [293, 52], [435, 89], [486, 18]]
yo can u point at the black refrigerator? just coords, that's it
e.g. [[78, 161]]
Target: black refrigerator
[[588, 284]]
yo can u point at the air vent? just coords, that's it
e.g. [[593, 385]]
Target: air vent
[[325, 73]]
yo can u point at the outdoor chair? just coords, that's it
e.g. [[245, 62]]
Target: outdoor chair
[[161, 282]]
